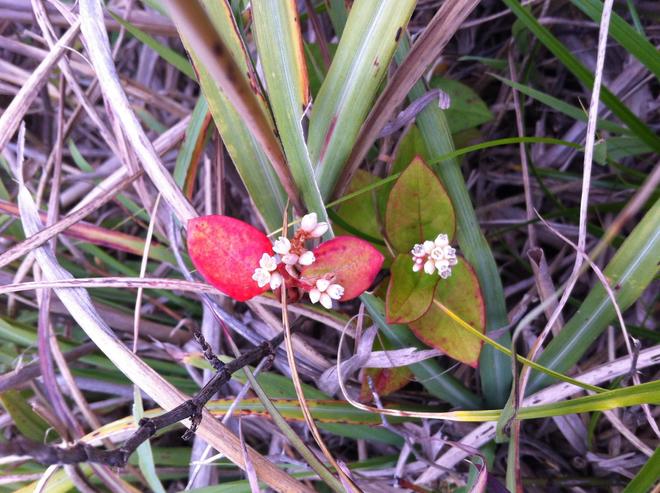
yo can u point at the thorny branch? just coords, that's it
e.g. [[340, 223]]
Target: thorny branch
[[192, 408]]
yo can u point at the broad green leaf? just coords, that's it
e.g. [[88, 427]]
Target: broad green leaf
[[461, 294], [630, 272], [28, 423], [255, 169], [418, 208], [428, 373], [363, 55], [409, 147], [409, 294], [467, 109], [432, 122], [361, 212], [280, 47]]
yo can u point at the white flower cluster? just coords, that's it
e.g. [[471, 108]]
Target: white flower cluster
[[434, 255], [266, 274], [325, 292]]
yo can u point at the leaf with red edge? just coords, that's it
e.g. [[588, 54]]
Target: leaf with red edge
[[418, 208], [226, 252], [409, 294], [385, 381], [354, 262], [462, 295]]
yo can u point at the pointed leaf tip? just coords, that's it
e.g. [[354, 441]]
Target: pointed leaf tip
[[226, 251], [354, 262], [418, 208]]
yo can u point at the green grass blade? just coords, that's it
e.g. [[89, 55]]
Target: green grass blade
[[145, 455], [630, 272], [561, 106], [166, 53], [495, 368], [428, 373], [280, 47], [363, 55], [583, 75], [624, 34], [255, 169], [647, 475], [185, 155]]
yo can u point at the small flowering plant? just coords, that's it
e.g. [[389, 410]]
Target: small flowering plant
[[241, 261], [420, 224]]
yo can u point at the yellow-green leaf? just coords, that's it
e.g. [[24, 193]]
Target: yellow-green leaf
[[462, 295]]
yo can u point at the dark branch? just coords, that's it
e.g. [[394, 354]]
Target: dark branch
[[192, 408]]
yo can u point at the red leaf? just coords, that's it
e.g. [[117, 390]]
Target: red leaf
[[226, 252], [354, 262]]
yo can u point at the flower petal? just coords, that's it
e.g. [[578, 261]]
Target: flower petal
[[314, 295], [326, 301], [322, 284], [307, 258], [335, 291], [282, 245], [429, 267], [275, 280], [290, 259], [309, 222], [320, 229]]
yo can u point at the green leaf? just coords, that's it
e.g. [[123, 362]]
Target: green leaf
[[409, 147], [432, 122], [280, 47], [409, 294], [365, 49], [461, 294], [647, 475], [361, 213], [467, 109], [629, 272], [254, 167], [418, 209], [429, 373], [29, 423]]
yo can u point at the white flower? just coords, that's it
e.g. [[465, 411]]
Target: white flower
[[310, 224], [290, 259], [434, 255], [262, 276], [325, 293], [268, 263], [265, 273], [282, 245], [307, 258]]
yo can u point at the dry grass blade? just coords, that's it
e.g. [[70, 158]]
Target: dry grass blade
[[96, 38], [440, 30], [29, 244], [12, 116], [486, 432], [79, 305]]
